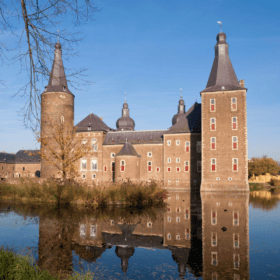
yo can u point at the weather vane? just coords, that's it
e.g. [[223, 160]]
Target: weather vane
[[58, 36], [220, 26], [181, 93], [124, 97]]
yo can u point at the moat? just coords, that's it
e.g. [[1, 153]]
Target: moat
[[194, 236]]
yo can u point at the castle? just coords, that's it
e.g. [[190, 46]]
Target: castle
[[206, 146]]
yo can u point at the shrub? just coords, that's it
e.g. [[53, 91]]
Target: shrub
[[275, 183]]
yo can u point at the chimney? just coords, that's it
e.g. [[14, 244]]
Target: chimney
[[101, 118], [242, 83]]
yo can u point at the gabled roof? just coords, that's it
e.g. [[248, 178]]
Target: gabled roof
[[27, 156], [92, 121], [127, 150], [222, 76], [7, 157], [190, 123], [134, 137]]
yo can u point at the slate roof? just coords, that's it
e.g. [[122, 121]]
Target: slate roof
[[127, 150], [7, 157], [190, 123], [94, 122], [57, 81], [222, 76], [134, 137], [27, 156]]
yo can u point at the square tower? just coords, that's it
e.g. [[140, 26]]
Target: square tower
[[224, 126]]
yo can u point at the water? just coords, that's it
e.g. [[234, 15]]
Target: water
[[207, 236]]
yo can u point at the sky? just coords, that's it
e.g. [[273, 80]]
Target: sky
[[151, 49]]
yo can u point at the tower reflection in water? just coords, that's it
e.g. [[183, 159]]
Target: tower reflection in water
[[221, 252]]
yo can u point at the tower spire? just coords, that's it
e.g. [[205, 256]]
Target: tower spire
[[181, 93], [222, 76], [124, 97]]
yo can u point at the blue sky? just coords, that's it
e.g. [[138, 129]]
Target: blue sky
[[151, 49]]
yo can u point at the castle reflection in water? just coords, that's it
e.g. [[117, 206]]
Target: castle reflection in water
[[207, 234]]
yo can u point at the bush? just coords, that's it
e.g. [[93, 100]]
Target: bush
[[261, 166], [275, 183]]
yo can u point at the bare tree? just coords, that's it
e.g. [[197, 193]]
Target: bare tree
[[38, 21]]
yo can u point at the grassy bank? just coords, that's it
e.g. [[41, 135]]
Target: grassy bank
[[72, 193], [16, 266], [274, 184]]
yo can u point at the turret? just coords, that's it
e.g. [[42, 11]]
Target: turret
[[125, 122]]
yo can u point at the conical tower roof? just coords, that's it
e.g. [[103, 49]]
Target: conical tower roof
[[57, 80], [127, 150], [222, 76]]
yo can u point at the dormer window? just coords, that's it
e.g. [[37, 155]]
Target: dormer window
[[64, 88], [89, 128]]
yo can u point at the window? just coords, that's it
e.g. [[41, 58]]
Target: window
[[105, 168], [178, 210], [214, 258], [150, 154], [233, 104], [177, 142], [158, 169], [113, 167], [214, 240], [187, 146], [169, 143], [199, 166], [169, 182], [169, 160], [84, 176], [94, 164], [89, 128], [112, 155], [168, 236], [235, 241], [149, 166], [187, 233], [168, 169], [234, 143], [198, 146], [169, 219], [236, 261], [186, 166], [213, 143], [213, 217], [93, 176], [177, 181], [234, 123], [62, 119], [235, 164], [213, 164], [149, 224], [178, 219], [94, 144], [18, 175], [122, 165], [212, 105], [212, 124], [84, 141], [83, 164], [178, 160], [177, 236], [82, 230], [23, 168], [93, 230], [235, 218], [187, 214]]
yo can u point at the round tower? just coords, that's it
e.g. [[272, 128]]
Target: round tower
[[57, 109], [125, 122]]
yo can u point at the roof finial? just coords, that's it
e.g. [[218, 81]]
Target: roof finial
[[58, 36], [181, 93], [124, 97], [220, 26]]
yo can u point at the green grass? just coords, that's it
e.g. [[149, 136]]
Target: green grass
[[16, 266], [256, 186], [72, 193]]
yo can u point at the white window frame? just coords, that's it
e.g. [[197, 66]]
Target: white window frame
[[177, 142], [93, 230], [158, 169], [216, 217], [215, 164], [94, 146], [197, 165], [168, 168], [84, 176], [234, 262], [169, 160], [169, 182], [234, 142], [188, 165], [233, 122], [188, 144], [213, 104], [93, 176], [177, 169], [213, 123], [62, 119], [169, 219], [177, 160], [149, 154], [177, 236], [122, 160], [105, 167], [177, 219], [168, 143], [83, 160], [214, 245], [149, 165], [234, 246], [211, 142], [234, 163], [187, 215], [187, 233], [168, 236], [112, 155], [233, 219], [149, 224], [212, 259], [96, 163], [232, 109]]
